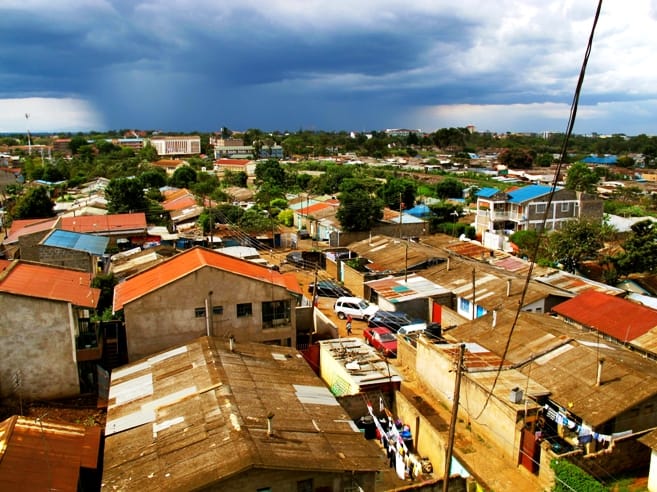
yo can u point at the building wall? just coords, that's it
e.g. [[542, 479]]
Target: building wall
[[167, 316], [289, 480], [28, 244], [37, 340], [497, 423], [652, 477], [68, 258], [353, 280]]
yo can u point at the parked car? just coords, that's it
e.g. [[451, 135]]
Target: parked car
[[381, 339], [355, 306], [393, 320], [329, 288]]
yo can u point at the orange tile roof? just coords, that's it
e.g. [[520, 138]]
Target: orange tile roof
[[104, 223], [189, 261], [315, 207], [179, 201], [48, 282], [22, 227], [29, 447], [232, 162], [167, 163]]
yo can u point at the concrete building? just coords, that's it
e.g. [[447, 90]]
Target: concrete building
[[205, 292], [211, 414], [499, 213], [44, 316], [72, 250], [176, 145]]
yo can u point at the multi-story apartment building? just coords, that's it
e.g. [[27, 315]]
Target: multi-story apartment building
[[501, 213], [177, 145]]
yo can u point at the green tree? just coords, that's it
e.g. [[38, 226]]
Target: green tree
[[125, 195], [359, 211], [526, 241], [183, 177], [450, 188], [516, 158], [270, 171], [640, 250], [154, 177], [396, 191], [581, 178], [76, 143], [148, 153], [576, 241], [106, 284], [254, 221], [34, 204], [235, 178]]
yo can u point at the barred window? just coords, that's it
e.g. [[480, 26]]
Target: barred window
[[244, 310]]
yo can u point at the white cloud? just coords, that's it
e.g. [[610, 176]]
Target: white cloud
[[47, 115]]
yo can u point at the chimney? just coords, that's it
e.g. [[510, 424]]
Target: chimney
[[508, 287], [270, 429], [598, 379], [448, 263], [494, 318], [231, 343]]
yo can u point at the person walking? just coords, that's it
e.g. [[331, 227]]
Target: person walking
[[349, 324]]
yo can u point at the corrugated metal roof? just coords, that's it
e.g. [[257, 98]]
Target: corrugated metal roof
[[49, 282], [399, 289], [88, 243], [528, 193], [42, 455], [197, 414], [613, 316], [487, 192], [564, 360], [28, 226], [189, 261], [576, 284], [111, 223]]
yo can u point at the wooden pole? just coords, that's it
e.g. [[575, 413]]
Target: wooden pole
[[455, 412]]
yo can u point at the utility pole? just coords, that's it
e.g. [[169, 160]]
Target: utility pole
[[455, 413]]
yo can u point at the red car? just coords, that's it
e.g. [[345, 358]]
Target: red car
[[381, 339]]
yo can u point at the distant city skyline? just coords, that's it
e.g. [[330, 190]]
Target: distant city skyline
[[505, 66]]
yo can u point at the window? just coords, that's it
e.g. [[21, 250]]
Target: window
[[244, 310], [217, 310], [540, 208], [565, 207], [264, 489], [275, 313], [199, 312], [305, 485]]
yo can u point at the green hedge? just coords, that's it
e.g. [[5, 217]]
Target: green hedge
[[569, 477]]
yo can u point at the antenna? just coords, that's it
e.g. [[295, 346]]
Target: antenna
[[29, 142]]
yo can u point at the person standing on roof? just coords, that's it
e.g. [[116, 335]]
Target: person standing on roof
[[349, 324]]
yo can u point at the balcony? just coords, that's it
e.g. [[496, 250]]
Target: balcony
[[89, 345]]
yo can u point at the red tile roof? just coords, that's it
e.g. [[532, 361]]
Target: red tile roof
[[611, 315], [29, 448], [48, 282], [179, 200], [104, 223], [189, 261]]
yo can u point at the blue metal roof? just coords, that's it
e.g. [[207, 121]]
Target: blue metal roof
[[420, 210], [94, 245], [528, 193], [594, 159], [487, 192]]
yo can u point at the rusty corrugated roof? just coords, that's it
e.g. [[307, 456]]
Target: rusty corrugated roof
[[49, 282], [189, 261], [111, 223], [564, 360], [42, 455], [28, 226], [621, 319], [195, 415]]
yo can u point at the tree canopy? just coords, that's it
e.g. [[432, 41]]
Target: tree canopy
[[396, 191], [581, 178], [34, 204], [125, 195], [359, 210]]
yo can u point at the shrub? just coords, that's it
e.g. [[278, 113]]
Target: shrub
[[569, 477]]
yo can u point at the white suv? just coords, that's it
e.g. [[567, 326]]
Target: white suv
[[355, 306]]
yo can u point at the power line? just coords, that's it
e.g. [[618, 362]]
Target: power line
[[541, 231]]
